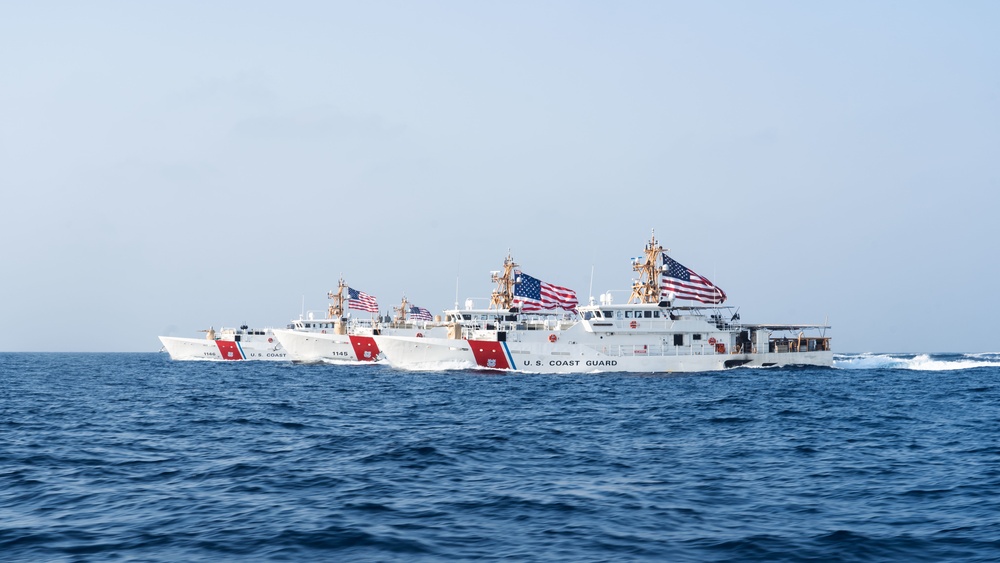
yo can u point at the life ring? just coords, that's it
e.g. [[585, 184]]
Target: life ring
[[270, 340], [633, 324], [712, 341], [420, 335], [553, 338], [323, 331]]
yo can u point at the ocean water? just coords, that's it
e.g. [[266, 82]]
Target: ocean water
[[133, 457]]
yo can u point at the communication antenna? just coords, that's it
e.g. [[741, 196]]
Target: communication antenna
[[590, 292]]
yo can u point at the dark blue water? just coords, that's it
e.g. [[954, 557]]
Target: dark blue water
[[135, 457]]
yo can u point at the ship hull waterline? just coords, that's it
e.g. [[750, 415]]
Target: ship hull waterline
[[422, 354], [201, 349]]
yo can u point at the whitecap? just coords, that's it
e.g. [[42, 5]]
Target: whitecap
[[919, 362]]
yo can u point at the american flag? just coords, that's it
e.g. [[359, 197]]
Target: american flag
[[531, 294], [361, 301], [686, 284], [420, 314]]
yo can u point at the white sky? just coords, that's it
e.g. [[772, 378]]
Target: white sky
[[165, 167]]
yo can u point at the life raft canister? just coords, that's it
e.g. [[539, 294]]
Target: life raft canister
[[553, 338], [720, 348]]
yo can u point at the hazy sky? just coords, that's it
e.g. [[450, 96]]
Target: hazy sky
[[166, 167]]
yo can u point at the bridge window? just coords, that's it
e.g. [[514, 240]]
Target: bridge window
[[647, 314], [628, 314], [696, 337]]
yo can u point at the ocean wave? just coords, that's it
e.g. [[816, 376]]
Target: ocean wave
[[136, 457], [918, 362], [451, 365], [994, 356]]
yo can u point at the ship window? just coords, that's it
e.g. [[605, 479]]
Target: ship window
[[638, 314], [628, 314], [647, 314], [618, 314], [678, 340], [696, 337], [656, 314]]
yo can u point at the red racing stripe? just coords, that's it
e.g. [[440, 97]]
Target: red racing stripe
[[364, 348], [489, 354], [230, 350]]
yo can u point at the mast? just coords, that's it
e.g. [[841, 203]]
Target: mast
[[336, 309], [646, 289], [503, 295], [400, 318]]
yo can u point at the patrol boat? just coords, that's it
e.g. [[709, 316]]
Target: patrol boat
[[340, 338], [227, 344], [650, 333], [521, 310]]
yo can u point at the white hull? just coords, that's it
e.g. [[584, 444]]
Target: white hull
[[546, 357], [314, 347], [248, 348], [647, 334], [321, 347]]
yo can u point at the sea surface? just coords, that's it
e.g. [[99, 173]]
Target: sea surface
[[133, 457]]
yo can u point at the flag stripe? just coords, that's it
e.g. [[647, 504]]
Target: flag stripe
[[532, 294], [420, 314], [684, 283], [361, 301]]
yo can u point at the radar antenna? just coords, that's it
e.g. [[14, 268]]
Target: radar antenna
[[646, 289], [336, 309], [503, 296]]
